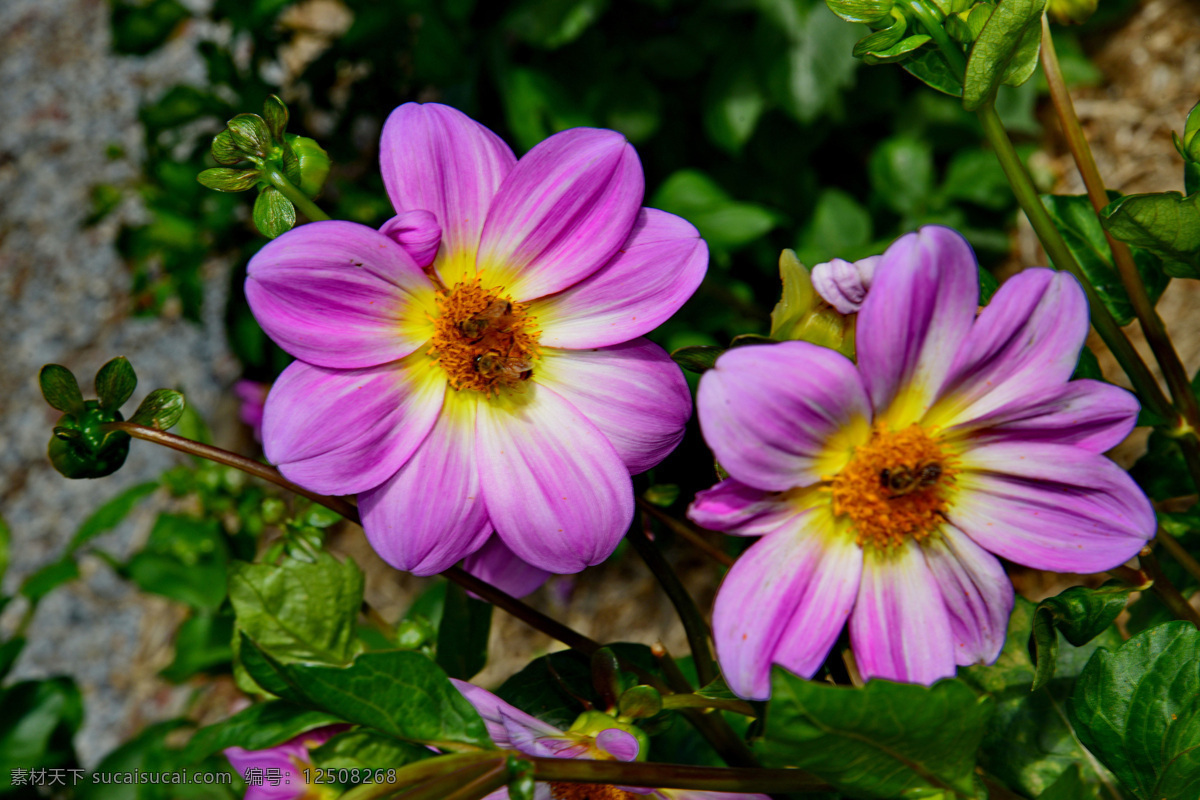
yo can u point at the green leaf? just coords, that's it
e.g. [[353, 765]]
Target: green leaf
[[1001, 53], [202, 644], [109, 515], [48, 578], [141, 27], [1081, 231], [1138, 709], [797, 299], [724, 222], [224, 179], [274, 214], [1069, 786], [550, 24], [60, 389], [812, 65], [299, 610], [974, 175], [462, 643], [37, 722], [115, 383], [1167, 224], [400, 693], [931, 68], [1081, 614], [8, 654], [1087, 366], [161, 409], [250, 135], [275, 114], [697, 358], [901, 171], [365, 750], [898, 52], [258, 727], [184, 559], [733, 104], [879, 741], [147, 752]]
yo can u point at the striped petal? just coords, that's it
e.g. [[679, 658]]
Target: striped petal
[[340, 431], [783, 415], [900, 629], [418, 232], [656, 270], [339, 294], [556, 490], [431, 513], [633, 392], [733, 507], [562, 213], [978, 594], [502, 718], [501, 567]]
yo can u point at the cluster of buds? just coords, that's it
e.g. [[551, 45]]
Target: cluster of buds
[[257, 151]]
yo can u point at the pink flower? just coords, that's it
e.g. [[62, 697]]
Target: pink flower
[[277, 773], [884, 491], [512, 728], [474, 366]]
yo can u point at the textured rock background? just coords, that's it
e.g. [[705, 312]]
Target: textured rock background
[[64, 99]]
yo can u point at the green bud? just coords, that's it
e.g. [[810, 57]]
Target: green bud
[[60, 388], [412, 634], [901, 51], [80, 447], [250, 135], [313, 161], [640, 702], [1071, 12], [161, 409], [224, 179], [881, 40], [224, 150], [868, 11], [591, 723], [273, 213], [115, 383], [275, 114]]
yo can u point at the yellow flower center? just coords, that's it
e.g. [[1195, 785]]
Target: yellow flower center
[[588, 791], [483, 340], [896, 486]]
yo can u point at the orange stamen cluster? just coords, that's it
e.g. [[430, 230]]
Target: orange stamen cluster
[[896, 486], [588, 791], [483, 340]]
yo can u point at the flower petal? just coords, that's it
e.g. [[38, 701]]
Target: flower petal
[[619, 744], [339, 431], [783, 415], [418, 232], [733, 507], [562, 213], [651, 276], [696, 794], [1051, 506], [1092, 415], [1024, 343], [900, 628], [436, 158], [431, 513], [339, 294], [785, 602], [843, 284], [556, 490], [501, 567], [633, 392], [978, 594], [922, 301], [500, 717]]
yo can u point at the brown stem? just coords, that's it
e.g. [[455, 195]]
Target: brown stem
[[1177, 551], [685, 531], [1166, 590]]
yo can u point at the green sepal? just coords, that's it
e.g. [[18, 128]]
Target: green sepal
[[275, 114], [1080, 614], [1005, 52], [250, 135], [313, 161], [161, 409], [901, 50], [868, 11], [60, 388], [882, 39], [1165, 223], [639, 702], [224, 179], [115, 383], [224, 151], [798, 297], [80, 447], [273, 214], [697, 358]]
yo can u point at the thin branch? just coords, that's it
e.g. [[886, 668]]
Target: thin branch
[[685, 531]]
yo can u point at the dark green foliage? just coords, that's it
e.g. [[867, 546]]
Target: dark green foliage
[[1080, 614], [462, 638]]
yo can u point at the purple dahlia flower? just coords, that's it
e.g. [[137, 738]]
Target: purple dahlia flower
[[474, 366], [884, 491], [512, 728], [277, 773]]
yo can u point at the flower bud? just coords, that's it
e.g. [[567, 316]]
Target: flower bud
[[82, 448], [592, 723], [843, 284], [314, 163]]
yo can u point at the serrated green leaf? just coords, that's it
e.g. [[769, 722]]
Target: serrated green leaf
[[60, 389], [1165, 223], [115, 383], [224, 179], [365, 750], [184, 559], [1128, 705], [273, 214], [1081, 231], [697, 358], [250, 135], [879, 741], [462, 640], [258, 727], [400, 693], [161, 409], [109, 515], [275, 114], [1000, 51], [1081, 614], [298, 610]]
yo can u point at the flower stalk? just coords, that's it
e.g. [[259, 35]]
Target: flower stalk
[[1167, 591], [274, 176]]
